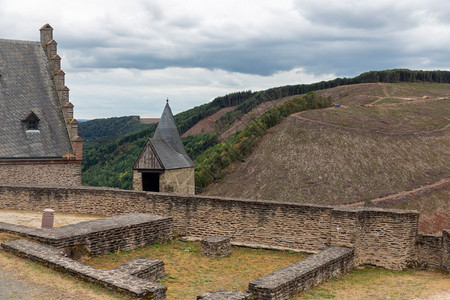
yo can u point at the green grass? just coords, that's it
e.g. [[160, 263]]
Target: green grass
[[190, 274]]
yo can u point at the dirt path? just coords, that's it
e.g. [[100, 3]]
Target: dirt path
[[437, 185]]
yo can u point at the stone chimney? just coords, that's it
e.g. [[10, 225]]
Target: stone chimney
[[46, 34], [77, 144], [50, 46]]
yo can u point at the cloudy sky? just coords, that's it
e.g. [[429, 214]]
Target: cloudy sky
[[127, 57]]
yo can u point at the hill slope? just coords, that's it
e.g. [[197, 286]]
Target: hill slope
[[108, 159], [386, 138]]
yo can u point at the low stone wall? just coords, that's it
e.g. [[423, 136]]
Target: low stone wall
[[117, 279], [428, 252], [303, 274], [124, 232], [380, 237], [149, 269]]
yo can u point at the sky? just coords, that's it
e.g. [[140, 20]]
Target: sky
[[127, 57]]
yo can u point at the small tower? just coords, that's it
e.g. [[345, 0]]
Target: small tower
[[163, 165]]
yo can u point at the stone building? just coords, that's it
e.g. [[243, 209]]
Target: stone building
[[163, 165], [39, 142]]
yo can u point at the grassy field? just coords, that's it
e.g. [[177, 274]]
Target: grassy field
[[190, 274]]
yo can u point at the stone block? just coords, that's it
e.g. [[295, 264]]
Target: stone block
[[216, 246]]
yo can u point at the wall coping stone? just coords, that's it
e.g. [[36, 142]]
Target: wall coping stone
[[300, 268], [199, 198], [225, 295], [82, 228]]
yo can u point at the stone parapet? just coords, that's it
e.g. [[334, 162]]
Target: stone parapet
[[382, 237]]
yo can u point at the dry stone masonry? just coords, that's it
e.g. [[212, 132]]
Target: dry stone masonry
[[382, 237], [120, 279], [303, 274], [216, 246], [123, 232]]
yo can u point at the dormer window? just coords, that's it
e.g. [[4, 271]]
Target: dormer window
[[32, 122]]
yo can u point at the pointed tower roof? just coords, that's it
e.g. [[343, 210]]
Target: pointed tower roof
[[166, 144], [167, 130]]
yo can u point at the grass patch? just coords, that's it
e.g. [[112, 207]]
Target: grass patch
[[376, 283], [190, 274]]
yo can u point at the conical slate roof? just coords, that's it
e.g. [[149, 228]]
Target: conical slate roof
[[167, 143]]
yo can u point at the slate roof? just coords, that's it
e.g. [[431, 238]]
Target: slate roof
[[167, 143], [26, 86]]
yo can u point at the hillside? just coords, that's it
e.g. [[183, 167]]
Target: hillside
[[108, 158], [385, 138]]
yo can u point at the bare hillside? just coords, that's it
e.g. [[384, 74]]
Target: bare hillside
[[207, 124], [385, 139]]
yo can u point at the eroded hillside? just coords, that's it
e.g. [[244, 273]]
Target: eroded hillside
[[384, 139]]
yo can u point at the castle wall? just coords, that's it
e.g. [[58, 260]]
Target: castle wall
[[376, 234], [179, 181], [380, 237], [65, 173]]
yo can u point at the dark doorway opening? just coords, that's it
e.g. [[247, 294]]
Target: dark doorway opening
[[150, 182]]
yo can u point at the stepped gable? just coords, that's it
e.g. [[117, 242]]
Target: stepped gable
[[39, 142], [27, 87]]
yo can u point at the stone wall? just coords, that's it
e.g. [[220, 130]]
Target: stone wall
[[446, 250], [62, 172], [380, 237], [376, 234], [118, 279], [102, 236], [428, 252], [303, 274], [179, 181]]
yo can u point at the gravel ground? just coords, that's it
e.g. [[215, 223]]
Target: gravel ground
[[34, 218]]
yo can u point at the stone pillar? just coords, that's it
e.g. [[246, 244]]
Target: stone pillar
[[77, 145], [48, 218], [137, 180]]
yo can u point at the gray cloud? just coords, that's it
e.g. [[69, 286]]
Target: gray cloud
[[234, 39]]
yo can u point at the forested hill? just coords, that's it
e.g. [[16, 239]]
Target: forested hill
[[112, 145], [105, 130]]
